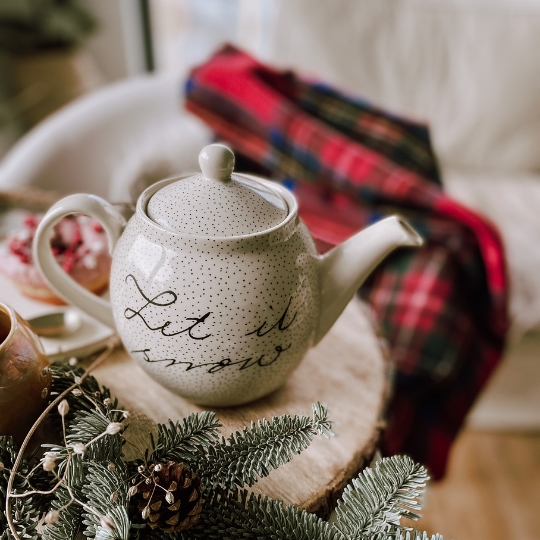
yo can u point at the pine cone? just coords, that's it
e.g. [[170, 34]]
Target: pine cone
[[169, 497]]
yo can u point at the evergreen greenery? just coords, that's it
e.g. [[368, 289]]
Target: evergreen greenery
[[264, 446], [185, 441], [84, 482], [25, 511], [35, 25], [376, 500]]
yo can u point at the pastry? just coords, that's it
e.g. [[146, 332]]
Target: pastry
[[79, 246]]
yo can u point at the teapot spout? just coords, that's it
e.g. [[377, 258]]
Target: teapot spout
[[344, 268]]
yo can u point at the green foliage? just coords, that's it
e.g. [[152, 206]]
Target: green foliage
[[105, 492], [26, 510], [92, 495], [94, 395], [244, 515], [403, 534], [90, 414], [34, 25], [255, 451], [89, 425], [185, 441], [237, 514], [378, 498], [70, 520]]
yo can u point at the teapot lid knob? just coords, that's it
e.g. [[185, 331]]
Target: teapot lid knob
[[216, 162]]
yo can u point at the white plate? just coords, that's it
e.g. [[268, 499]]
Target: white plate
[[89, 338]]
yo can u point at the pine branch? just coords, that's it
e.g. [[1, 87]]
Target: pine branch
[[94, 488], [106, 492], [245, 456], [378, 498], [69, 523], [64, 375], [25, 511], [25, 514], [88, 397], [86, 426], [247, 516], [322, 425], [83, 428], [70, 518], [185, 441]]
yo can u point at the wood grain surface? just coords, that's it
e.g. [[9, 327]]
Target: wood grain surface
[[491, 490], [347, 371]]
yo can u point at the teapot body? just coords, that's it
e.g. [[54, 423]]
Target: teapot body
[[217, 289], [219, 321]]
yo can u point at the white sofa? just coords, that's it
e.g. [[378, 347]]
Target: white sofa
[[471, 69]]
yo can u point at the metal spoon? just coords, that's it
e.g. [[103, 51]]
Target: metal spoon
[[56, 324]]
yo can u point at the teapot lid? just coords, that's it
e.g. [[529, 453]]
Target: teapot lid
[[215, 203]]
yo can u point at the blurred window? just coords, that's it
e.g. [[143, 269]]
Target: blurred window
[[186, 32]]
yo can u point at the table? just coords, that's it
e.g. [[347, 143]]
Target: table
[[347, 371]]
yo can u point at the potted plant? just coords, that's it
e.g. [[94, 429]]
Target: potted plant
[[42, 41]]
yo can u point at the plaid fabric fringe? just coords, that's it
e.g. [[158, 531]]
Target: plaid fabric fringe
[[443, 307]]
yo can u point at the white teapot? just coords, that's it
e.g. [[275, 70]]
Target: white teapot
[[217, 289]]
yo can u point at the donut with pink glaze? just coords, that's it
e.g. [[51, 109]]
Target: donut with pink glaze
[[79, 246]]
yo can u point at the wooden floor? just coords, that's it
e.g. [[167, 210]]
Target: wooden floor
[[491, 492]]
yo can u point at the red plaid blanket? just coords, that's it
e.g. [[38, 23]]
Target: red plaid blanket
[[443, 307]]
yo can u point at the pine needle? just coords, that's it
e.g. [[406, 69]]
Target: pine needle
[[105, 490], [252, 453], [246, 516], [92, 481], [185, 440], [378, 498], [26, 511]]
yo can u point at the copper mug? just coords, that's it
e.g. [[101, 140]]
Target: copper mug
[[25, 378]]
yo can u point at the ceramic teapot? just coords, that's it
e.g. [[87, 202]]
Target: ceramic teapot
[[217, 289]]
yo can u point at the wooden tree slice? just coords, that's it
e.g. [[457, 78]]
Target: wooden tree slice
[[347, 371]]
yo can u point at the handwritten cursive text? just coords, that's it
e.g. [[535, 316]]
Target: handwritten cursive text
[[164, 299], [215, 367], [280, 324]]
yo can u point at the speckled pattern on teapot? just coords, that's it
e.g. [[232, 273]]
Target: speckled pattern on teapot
[[219, 302], [217, 328]]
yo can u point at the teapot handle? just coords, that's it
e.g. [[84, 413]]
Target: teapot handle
[[112, 221]]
